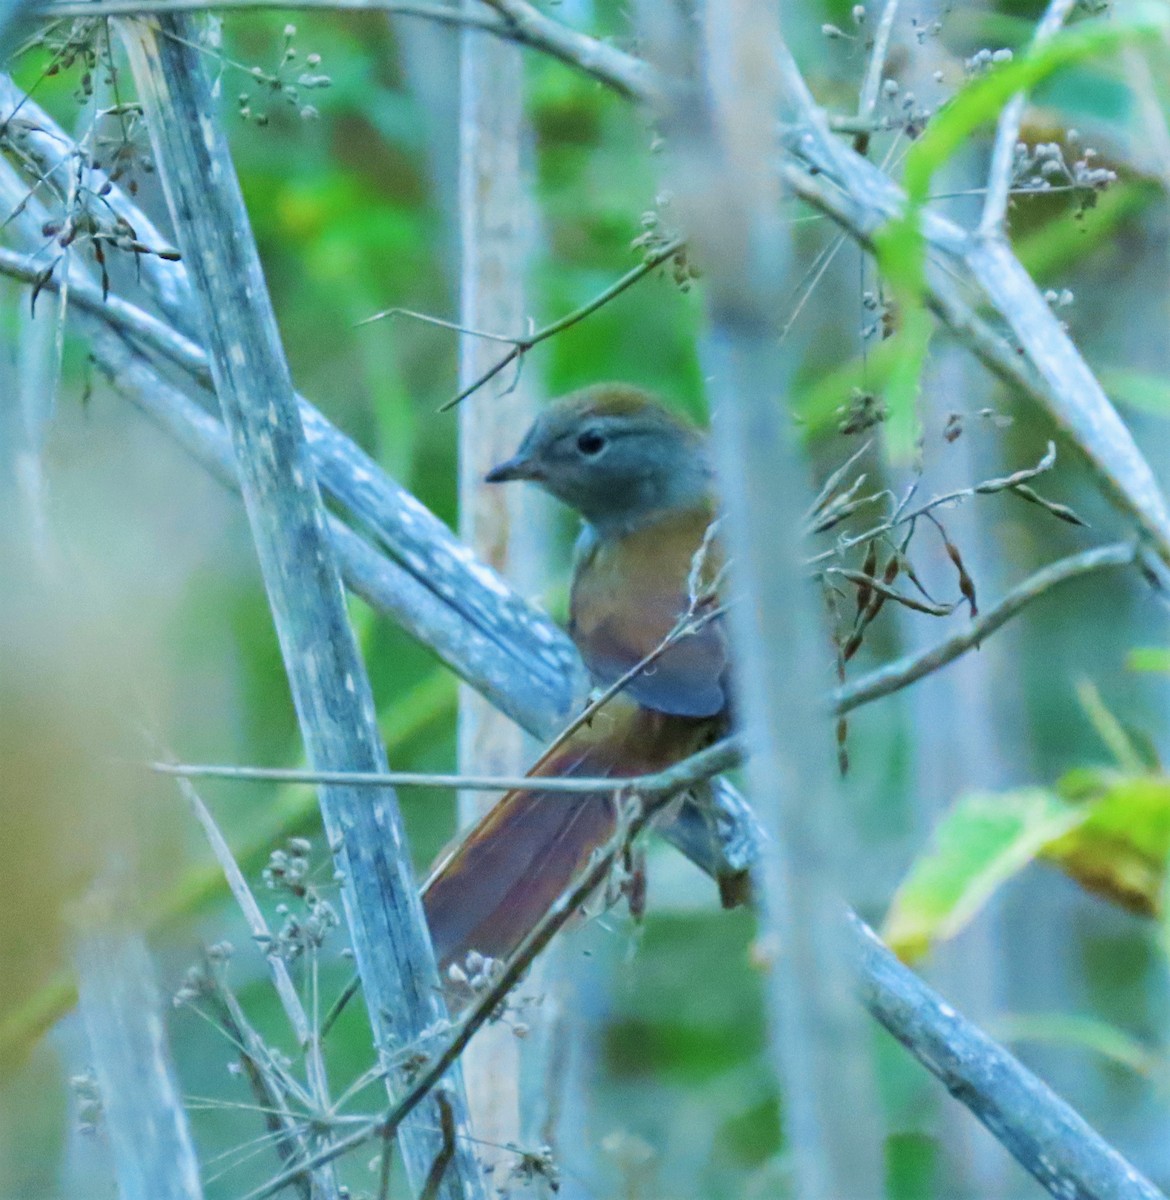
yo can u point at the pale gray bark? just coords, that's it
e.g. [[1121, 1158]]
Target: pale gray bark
[[327, 677], [719, 129], [1063, 1153], [495, 222], [142, 1109], [1028, 1127]]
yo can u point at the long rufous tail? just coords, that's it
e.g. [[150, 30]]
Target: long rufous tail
[[492, 889]]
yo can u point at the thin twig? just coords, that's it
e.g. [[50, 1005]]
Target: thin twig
[[426, 319], [666, 784], [324, 1184], [1007, 132], [903, 515], [285, 989], [833, 482], [905, 671], [719, 757], [447, 1150], [871, 85], [624, 73], [813, 276], [308, 1040], [878, 683], [687, 625], [1037, 1137], [68, 9], [521, 345], [879, 586], [327, 677], [268, 1081]]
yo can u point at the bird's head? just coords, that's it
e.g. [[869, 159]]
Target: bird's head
[[613, 453]]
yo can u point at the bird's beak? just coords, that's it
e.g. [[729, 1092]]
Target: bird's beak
[[516, 467]]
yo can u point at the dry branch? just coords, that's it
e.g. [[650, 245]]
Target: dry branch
[[1047, 1137], [154, 1158], [513, 654], [833, 178], [1049, 368], [326, 674], [528, 665]]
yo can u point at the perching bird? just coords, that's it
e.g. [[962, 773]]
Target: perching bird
[[646, 560]]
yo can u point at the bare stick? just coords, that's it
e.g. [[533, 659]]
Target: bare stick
[[521, 345], [257, 925], [154, 1157], [520, 23], [1044, 1134], [871, 85], [271, 1084], [1047, 1137], [905, 671], [696, 768], [1007, 131], [439, 13], [666, 784], [545, 675], [326, 675], [427, 319], [884, 681]]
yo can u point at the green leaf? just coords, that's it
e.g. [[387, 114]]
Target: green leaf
[[1119, 850], [1148, 658], [901, 252], [1110, 730], [982, 100], [981, 843], [1107, 830], [1074, 1029], [1146, 393]]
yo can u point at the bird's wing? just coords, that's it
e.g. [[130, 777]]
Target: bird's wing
[[628, 597]]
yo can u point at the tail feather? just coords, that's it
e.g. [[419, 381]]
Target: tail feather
[[506, 874]]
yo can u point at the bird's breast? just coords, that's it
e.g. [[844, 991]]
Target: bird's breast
[[631, 599]]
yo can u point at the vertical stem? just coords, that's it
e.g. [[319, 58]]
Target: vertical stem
[[960, 736], [38, 370], [328, 681], [729, 200], [1007, 133], [154, 1158], [495, 235]]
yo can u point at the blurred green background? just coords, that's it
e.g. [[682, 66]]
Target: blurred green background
[[353, 213]]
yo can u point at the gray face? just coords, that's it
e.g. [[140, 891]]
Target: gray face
[[614, 469]]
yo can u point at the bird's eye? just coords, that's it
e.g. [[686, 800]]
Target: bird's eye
[[591, 443]]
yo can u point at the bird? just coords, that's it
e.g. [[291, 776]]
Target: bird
[[647, 563]]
